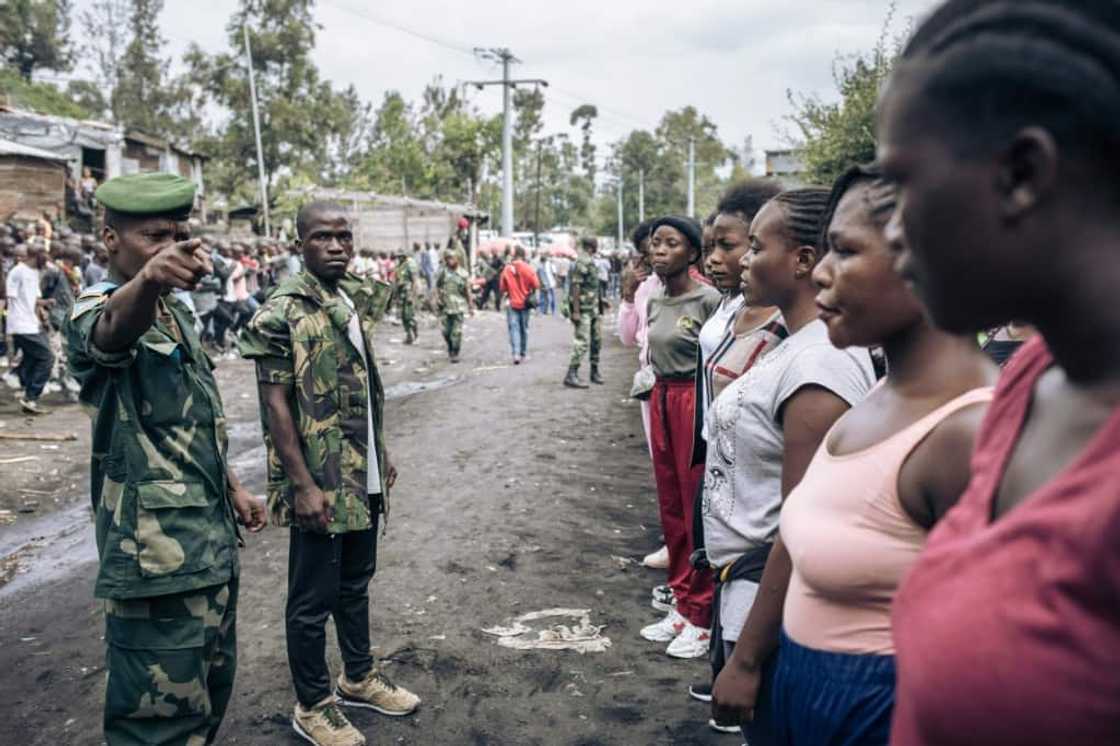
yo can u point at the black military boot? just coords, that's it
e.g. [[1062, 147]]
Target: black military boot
[[572, 379], [408, 338], [595, 377]]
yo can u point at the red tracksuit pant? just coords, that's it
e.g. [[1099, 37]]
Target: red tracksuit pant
[[671, 406]]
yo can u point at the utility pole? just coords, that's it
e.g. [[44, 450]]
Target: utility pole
[[537, 215], [692, 177], [503, 55], [621, 229], [641, 195], [257, 132]]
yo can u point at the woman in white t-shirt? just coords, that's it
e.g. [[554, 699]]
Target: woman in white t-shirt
[[764, 429]]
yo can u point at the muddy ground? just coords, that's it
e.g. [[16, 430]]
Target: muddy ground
[[515, 495]]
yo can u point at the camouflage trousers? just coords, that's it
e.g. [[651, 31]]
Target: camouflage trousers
[[408, 316], [453, 332], [171, 663], [587, 334]]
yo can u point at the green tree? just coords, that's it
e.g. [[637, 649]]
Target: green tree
[[35, 34], [586, 114], [300, 112], [142, 98], [44, 98], [833, 135], [105, 28]]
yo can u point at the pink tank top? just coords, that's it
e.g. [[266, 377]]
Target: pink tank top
[[852, 542]]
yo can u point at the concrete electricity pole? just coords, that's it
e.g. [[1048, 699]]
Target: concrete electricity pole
[[692, 177], [641, 195], [503, 55], [621, 229], [257, 132]]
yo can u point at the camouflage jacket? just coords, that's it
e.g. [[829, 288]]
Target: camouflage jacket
[[405, 277], [163, 517], [299, 339], [586, 275], [453, 287]]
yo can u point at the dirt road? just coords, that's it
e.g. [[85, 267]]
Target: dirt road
[[516, 495]]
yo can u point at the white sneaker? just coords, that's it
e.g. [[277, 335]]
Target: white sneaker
[[52, 388], [663, 598], [667, 629], [11, 380], [692, 642], [658, 560]]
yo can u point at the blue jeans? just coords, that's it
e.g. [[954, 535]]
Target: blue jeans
[[547, 301], [518, 321], [819, 697]]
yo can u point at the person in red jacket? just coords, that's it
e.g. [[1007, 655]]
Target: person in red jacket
[[519, 281]]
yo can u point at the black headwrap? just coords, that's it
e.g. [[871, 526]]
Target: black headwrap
[[687, 226]]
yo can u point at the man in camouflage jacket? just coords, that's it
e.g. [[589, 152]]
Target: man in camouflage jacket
[[405, 292], [328, 471], [164, 499], [453, 301], [584, 310]]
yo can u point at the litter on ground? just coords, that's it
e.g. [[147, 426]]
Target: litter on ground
[[583, 636]]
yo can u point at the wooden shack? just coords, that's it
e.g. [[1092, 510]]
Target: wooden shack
[[32, 181]]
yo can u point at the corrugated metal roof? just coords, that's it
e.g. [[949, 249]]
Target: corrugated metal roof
[[9, 147]]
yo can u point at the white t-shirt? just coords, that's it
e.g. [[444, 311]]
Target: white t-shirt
[[22, 289], [711, 334], [373, 468], [743, 473]]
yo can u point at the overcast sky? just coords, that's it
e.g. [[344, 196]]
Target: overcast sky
[[634, 59]]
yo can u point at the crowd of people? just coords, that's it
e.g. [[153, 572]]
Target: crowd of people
[[871, 531], [881, 414]]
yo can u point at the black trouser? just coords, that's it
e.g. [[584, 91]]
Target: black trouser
[[34, 369], [328, 575]]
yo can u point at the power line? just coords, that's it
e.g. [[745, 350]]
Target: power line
[[406, 30]]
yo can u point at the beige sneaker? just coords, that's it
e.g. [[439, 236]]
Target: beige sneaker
[[325, 725], [376, 692]]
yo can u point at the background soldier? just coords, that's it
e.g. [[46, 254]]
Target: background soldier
[[453, 300], [404, 287], [313, 343], [163, 497], [584, 310]]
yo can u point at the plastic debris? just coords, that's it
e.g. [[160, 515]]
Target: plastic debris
[[582, 637]]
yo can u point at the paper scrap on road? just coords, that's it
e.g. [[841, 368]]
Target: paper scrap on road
[[583, 637]]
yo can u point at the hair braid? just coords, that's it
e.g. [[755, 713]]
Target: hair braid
[[1001, 65], [804, 209]]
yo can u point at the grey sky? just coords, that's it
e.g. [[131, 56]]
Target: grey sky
[[732, 59]]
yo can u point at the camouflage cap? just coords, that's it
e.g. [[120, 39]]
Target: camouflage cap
[[148, 194]]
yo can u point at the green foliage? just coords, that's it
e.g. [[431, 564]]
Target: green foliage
[[662, 156], [141, 98], [832, 136], [34, 34], [41, 97]]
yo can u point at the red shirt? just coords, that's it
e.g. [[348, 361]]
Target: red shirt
[[1009, 632], [518, 280]]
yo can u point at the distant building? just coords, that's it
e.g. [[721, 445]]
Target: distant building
[[786, 166], [105, 149], [32, 181]]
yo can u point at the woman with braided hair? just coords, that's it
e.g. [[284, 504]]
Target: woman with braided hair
[[762, 431], [999, 132]]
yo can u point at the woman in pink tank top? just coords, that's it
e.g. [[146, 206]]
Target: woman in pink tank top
[[885, 473]]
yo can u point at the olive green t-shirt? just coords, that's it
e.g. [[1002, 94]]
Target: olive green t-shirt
[[674, 330]]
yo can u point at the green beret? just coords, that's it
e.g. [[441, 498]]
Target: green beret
[[148, 194]]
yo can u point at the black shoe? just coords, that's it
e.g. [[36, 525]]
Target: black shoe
[[572, 379], [595, 377], [700, 692]]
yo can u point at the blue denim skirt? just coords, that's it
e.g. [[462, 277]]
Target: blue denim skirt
[[816, 698]]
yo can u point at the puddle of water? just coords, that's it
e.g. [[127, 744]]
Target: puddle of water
[[408, 388]]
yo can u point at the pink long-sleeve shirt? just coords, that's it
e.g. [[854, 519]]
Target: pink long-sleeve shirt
[[633, 318]]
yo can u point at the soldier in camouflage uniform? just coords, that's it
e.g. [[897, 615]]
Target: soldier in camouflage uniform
[[453, 301], [584, 310], [164, 500], [328, 471], [404, 289]]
